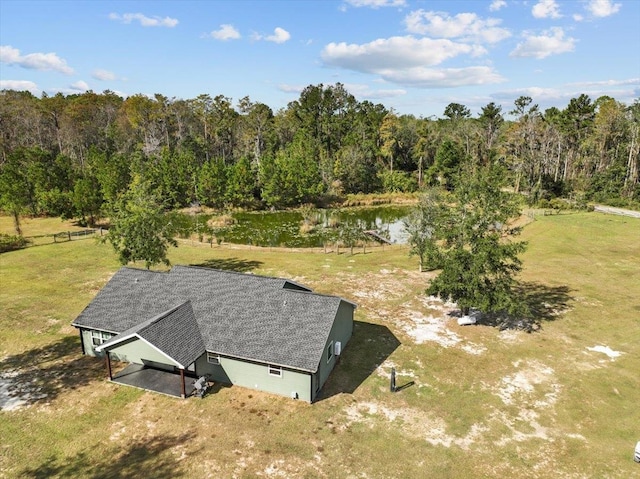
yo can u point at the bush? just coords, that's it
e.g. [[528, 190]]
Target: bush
[[11, 243], [398, 181]]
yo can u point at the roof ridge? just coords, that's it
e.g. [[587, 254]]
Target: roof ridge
[[324, 295], [227, 271], [159, 317], [143, 270]]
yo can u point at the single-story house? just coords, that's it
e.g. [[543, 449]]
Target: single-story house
[[265, 333]]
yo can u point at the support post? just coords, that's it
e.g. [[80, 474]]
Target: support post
[[182, 385], [108, 361], [392, 385], [81, 339]]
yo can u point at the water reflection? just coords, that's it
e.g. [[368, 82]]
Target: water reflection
[[299, 229]]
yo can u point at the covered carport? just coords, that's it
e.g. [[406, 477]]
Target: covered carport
[[161, 351], [157, 380]]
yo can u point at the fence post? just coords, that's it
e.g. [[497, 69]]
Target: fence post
[[69, 235]]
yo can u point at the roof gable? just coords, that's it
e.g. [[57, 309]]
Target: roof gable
[[174, 332]]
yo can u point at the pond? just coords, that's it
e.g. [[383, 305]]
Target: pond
[[298, 229]]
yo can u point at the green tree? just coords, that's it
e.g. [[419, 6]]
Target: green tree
[[138, 228], [212, 183], [241, 183], [421, 225], [479, 259], [292, 177], [16, 191], [446, 165], [87, 199]]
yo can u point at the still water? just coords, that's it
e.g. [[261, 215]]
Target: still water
[[284, 228]]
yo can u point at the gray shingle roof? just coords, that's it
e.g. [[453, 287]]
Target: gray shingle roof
[[174, 332], [269, 320]]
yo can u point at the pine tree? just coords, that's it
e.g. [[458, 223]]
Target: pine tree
[[138, 229], [479, 258]]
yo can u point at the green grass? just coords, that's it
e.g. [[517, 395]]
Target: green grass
[[575, 414]]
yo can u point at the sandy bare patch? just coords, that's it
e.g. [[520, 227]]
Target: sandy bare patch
[[384, 370], [424, 328], [525, 417], [288, 468], [414, 422], [15, 396], [510, 336], [386, 285], [525, 384], [119, 430]]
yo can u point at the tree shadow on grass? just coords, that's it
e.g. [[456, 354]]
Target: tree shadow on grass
[[146, 457], [230, 264], [369, 346], [542, 304], [41, 374]]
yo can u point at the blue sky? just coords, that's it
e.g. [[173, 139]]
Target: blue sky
[[413, 56]]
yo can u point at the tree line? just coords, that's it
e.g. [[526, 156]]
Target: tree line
[[73, 155]]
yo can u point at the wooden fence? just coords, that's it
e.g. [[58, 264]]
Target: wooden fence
[[63, 236]]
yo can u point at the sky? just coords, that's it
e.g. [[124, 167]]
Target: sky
[[412, 56]]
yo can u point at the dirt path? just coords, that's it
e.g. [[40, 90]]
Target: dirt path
[[616, 211]]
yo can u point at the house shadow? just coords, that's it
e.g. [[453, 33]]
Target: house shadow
[[230, 264], [369, 346], [541, 304], [41, 374], [144, 457]]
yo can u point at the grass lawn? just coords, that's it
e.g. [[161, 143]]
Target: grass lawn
[[476, 402]]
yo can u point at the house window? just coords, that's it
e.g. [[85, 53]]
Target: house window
[[275, 371], [99, 337], [213, 358], [330, 351]]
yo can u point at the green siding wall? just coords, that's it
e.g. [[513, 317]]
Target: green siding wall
[[256, 376], [341, 331], [88, 344], [132, 351], [139, 352]]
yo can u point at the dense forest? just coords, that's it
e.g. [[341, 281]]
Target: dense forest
[[71, 155]]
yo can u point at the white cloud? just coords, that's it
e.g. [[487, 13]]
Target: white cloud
[[409, 61], [551, 42], [624, 91], [630, 81], [464, 26], [79, 86], [376, 3], [497, 5], [34, 61], [546, 9], [442, 77], [145, 21], [602, 8], [395, 53], [103, 75], [280, 35], [365, 91], [290, 88], [225, 32], [577, 17], [19, 85]]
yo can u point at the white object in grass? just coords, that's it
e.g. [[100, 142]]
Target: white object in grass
[[605, 350], [466, 320]]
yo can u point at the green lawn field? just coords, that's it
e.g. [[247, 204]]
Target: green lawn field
[[474, 401]]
